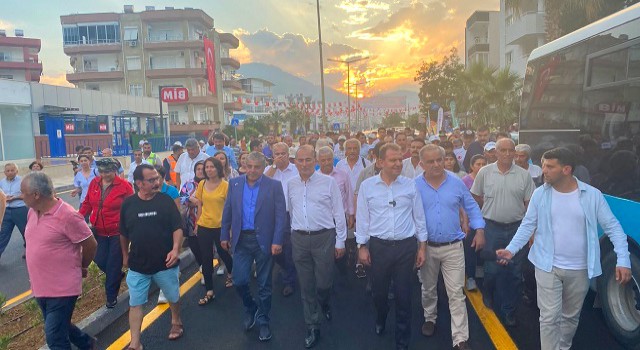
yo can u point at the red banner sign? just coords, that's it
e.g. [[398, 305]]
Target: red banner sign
[[69, 127], [210, 56], [174, 94]]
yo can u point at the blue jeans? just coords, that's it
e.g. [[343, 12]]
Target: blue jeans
[[109, 259], [58, 329], [12, 217], [248, 250], [506, 281], [470, 256]]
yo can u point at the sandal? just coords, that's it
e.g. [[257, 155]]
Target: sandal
[[177, 330], [229, 282], [206, 299]]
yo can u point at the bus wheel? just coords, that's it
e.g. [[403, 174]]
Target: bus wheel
[[621, 304]]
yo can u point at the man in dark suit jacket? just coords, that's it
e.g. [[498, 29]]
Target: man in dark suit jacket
[[253, 224]]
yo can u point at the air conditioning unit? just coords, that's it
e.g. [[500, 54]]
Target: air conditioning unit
[[133, 43]]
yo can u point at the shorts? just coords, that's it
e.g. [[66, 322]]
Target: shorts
[[139, 283]]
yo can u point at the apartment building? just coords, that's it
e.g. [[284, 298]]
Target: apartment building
[[520, 32], [19, 57], [482, 39], [138, 53]]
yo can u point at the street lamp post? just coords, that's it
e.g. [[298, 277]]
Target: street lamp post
[[324, 116], [348, 63], [357, 120]]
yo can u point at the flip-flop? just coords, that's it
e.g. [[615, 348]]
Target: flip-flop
[[206, 299], [177, 330]]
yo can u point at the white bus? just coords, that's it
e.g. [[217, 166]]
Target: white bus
[[583, 91]]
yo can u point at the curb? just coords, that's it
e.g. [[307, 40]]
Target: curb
[[102, 318], [64, 188]]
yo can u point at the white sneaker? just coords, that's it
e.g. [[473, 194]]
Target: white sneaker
[[471, 284], [162, 299], [201, 277]]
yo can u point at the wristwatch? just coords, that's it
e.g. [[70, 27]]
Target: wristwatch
[[274, 166]]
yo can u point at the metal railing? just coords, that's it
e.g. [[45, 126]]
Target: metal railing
[[153, 38]]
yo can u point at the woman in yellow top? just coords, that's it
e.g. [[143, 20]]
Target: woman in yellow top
[[211, 194]]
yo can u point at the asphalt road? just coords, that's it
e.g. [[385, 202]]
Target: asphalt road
[[218, 325], [12, 267]]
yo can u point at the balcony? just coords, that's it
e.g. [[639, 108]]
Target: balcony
[[477, 18], [7, 41], [230, 62], [233, 106], [477, 48], [154, 73], [209, 100], [230, 39], [16, 64], [232, 85], [176, 15], [529, 25], [98, 46], [77, 77]]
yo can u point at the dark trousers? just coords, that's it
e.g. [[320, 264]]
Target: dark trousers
[[394, 261], [285, 259], [12, 217], [314, 256], [504, 281], [207, 237], [470, 256], [109, 260], [246, 252], [192, 241], [59, 331]]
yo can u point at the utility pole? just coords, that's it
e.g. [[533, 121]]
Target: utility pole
[[348, 63], [357, 120], [324, 116]]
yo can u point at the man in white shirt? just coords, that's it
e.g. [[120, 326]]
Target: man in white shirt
[[389, 217], [137, 160], [318, 234], [523, 155], [338, 149], [187, 161], [283, 171], [411, 167], [353, 164]]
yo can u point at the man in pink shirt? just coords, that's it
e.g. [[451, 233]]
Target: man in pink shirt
[[59, 250]]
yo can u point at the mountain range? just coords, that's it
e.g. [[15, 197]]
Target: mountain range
[[287, 84]]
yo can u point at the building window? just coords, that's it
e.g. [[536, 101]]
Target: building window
[[6, 76], [203, 115], [508, 58], [174, 117], [134, 63], [135, 90], [94, 87], [130, 33], [105, 33], [5, 56]]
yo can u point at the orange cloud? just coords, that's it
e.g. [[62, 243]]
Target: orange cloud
[[56, 79]]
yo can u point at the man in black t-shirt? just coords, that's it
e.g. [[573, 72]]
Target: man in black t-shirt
[[151, 223]]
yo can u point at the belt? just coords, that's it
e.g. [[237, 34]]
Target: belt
[[311, 233], [391, 242], [248, 232], [442, 244], [503, 224]]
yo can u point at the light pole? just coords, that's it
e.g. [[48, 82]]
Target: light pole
[[357, 120], [348, 62], [324, 116]]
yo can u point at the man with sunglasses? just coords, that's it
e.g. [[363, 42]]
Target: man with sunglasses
[[151, 237]]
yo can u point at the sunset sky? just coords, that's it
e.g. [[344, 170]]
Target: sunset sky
[[397, 35]]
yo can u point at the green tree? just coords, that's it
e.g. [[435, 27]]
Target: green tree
[[413, 122], [393, 120], [439, 80], [297, 117]]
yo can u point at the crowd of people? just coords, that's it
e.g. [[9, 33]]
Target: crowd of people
[[380, 205]]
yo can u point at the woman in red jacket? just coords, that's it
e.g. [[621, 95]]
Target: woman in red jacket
[[104, 198]]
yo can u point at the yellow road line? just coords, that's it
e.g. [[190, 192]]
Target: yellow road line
[[17, 298], [152, 316], [499, 336]]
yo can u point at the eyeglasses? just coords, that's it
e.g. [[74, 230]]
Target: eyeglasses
[[152, 180]]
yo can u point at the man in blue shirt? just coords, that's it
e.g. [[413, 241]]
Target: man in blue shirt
[[218, 145], [444, 195], [565, 214], [16, 211], [253, 224]]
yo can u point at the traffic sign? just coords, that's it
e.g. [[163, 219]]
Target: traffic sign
[[336, 126], [235, 122]]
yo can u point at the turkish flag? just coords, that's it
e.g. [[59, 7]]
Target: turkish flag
[[210, 54]]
